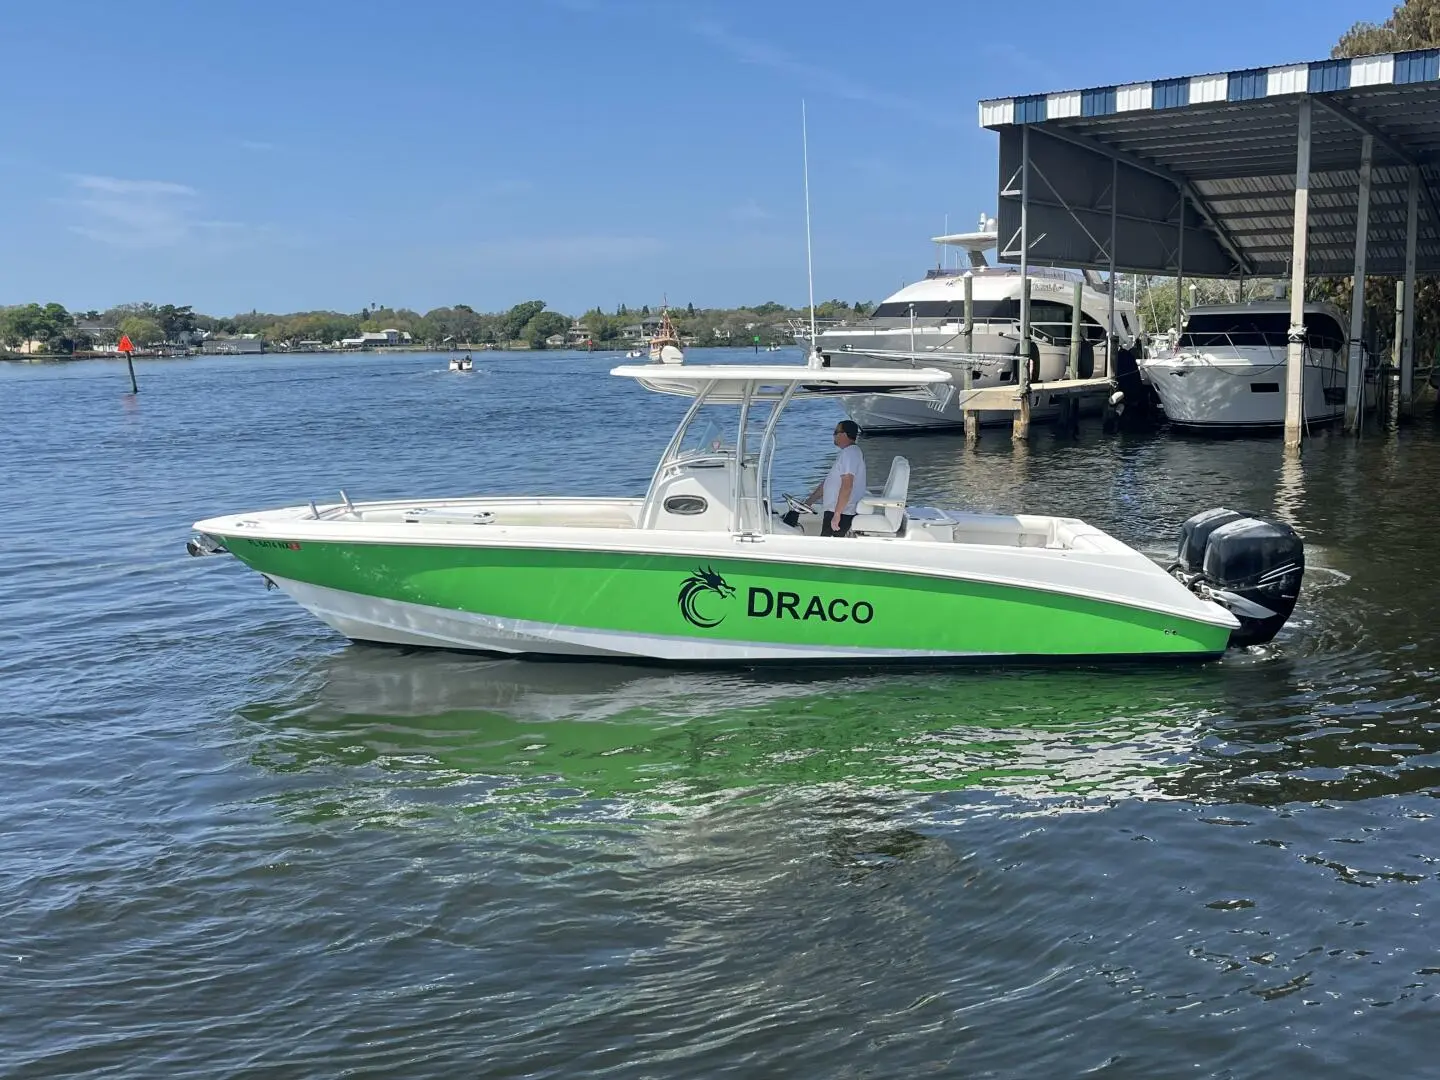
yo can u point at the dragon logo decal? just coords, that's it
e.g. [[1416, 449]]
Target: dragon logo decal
[[703, 580]]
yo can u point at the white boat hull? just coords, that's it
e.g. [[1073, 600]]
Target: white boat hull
[[887, 412], [884, 412], [1206, 391]]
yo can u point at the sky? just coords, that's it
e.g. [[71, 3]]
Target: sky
[[306, 154]]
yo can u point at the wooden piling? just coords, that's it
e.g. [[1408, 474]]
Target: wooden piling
[[1021, 425]]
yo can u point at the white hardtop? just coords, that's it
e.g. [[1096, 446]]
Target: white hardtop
[[1267, 307], [997, 283], [724, 381]]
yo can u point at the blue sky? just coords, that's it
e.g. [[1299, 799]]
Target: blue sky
[[306, 154]]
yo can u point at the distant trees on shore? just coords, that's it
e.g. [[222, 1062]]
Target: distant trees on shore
[[530, 323]]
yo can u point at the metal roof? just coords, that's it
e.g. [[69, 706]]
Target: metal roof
[[1228, 140]]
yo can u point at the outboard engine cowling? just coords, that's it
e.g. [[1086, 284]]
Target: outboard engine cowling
[[1195, 534], [1258, 563], [1251, 565]]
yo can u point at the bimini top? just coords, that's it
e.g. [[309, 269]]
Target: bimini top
[[733, 381]]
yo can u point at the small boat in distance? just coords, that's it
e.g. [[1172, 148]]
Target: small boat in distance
[[462, 363]]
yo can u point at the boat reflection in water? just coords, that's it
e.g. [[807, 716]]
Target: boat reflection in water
[[447, 729]]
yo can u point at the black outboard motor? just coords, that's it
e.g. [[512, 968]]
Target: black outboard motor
[[1195, 534], [1250, 565]]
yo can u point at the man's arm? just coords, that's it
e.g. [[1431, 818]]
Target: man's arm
[[847, 483]]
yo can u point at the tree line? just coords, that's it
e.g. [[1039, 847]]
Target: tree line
[[530, 324]]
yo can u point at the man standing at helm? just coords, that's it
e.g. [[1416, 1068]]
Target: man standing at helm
[[844, 484]]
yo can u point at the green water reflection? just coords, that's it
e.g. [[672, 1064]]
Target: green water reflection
[[541, 735]]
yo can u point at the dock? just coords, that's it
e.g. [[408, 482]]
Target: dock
[[1011, 399]]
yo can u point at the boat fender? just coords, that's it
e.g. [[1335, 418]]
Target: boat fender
[[1085, 364]]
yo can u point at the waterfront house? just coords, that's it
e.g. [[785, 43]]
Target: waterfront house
[[375, 339], [216, 345]]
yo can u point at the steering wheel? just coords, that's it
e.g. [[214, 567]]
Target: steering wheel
[[796, 505]]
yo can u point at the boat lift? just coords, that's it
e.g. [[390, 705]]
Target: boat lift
[[1289, 172]]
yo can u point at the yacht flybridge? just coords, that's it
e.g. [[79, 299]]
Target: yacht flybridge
[[705, 569]]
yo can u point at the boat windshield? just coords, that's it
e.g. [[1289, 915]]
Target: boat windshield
[[708, 437], [1258, 329]]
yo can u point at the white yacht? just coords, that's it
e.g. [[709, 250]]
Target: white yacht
[[1228, 368], [922, 322]]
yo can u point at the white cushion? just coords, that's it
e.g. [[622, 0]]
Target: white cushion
[[885, 513]]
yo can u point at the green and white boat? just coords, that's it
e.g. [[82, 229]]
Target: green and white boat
[[704, 568]]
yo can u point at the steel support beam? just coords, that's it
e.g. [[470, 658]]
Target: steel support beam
[[1295, 358], [1407, 337], [1197, 199], [1359, 123], [1355, 366], [1110, 349], [1180, 275], [1020, 428]]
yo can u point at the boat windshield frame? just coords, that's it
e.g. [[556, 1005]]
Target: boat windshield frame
[[748, 389]]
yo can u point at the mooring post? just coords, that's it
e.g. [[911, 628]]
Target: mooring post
[[1070, 406], [1397, 348], [972, 418], [1407, 338], [1355, 361], [1021, 426], [1295, 354]]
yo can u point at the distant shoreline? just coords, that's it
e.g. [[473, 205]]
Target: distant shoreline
[[142, 354]]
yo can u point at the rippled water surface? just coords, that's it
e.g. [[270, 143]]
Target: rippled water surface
[[235, 845]]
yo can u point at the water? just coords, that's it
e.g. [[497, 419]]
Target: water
[[236, 846]]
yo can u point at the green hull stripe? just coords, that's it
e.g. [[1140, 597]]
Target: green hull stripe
[[735, 599]]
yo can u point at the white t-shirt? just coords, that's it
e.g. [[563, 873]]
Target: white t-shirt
[[849, 462]]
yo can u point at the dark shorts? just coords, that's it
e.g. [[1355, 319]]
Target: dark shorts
[[845, 520]]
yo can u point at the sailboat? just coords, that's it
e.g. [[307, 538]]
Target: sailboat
[[665, 343]]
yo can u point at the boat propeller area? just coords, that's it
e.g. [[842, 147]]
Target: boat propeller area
[[1250, 565]]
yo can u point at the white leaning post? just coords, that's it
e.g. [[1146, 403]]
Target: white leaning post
[[1355, 364], [1295, 360]]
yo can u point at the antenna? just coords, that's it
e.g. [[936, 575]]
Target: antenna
[[809, 256]]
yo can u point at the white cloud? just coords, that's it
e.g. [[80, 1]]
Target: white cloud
[[146, 214], [259, 146], [821, 80]]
